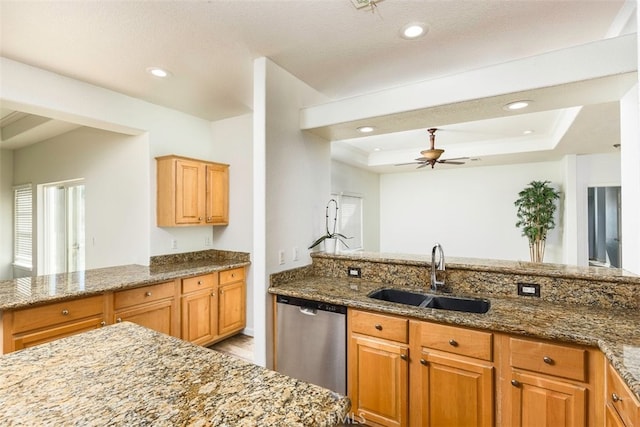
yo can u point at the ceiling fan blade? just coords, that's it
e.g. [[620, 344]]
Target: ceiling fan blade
[[425, 164], [447, 162], [404, 164], [455, 158]]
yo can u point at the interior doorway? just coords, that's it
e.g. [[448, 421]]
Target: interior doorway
[[604, 213]]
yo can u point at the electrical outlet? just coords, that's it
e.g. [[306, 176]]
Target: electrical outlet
[[207, 241], [295, 254], [354, 272], [529, 289], [281, 257], [174, 244]]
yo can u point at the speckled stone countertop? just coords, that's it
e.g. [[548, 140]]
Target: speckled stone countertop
[[125, 374], [24, 292], [616, 331]]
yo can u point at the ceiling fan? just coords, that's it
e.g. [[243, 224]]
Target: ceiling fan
[[432, 155]]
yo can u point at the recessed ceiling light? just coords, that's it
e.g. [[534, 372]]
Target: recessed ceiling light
[[366, 129], [413, 30], [376, 149], [158, 72], [527, 132], [517, 105]]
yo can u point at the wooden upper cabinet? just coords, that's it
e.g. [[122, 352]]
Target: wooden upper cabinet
[[217, 194], [192, 192]]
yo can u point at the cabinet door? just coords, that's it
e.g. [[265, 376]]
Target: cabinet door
[[231, 308], [537, 402], [378, 381], [455, 391], [31, 339], [190, 192], [199, 317], [611, 417], [159, 316], [217, 196]]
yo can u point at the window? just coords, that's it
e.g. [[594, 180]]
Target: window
[[22, 226], [350, 219]]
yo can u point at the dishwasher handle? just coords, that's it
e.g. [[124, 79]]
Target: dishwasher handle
[[309, 311]]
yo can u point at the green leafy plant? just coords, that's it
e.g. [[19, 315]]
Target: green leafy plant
[[536, 208], [332, 234]]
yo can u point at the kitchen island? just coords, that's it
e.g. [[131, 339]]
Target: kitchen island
[[125, 374]]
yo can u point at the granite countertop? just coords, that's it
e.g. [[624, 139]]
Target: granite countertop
[[614, 331], [125, 374], [27, 291]]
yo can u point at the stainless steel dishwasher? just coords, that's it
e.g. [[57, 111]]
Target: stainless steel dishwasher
[[311, 342]]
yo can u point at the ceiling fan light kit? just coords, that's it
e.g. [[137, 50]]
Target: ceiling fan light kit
[[432, 155]]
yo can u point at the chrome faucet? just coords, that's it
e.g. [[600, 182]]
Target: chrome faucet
[[439, 267]]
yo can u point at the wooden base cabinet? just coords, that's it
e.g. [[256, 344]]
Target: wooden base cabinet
[[199, 304], [378, 368], [622, 406], [153, 306], [549, 384], [231, 302], [453, 385]]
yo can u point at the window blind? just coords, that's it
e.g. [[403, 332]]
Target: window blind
[[22, 226]]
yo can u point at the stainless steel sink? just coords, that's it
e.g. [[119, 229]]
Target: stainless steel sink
[[467, 305]]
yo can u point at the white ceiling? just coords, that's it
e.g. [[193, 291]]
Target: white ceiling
[[341, 51]]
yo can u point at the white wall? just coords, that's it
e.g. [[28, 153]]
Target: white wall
[[630, 153], [233, 145], [355, 181], [470, 211], [6, 214], [296, 186], [116, 177]]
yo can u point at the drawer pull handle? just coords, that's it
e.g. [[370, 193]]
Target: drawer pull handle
[[515, 383], [547, 360], [119, 319], [453, 343], [615, 397], [103, 323], [424, 362], [65, 312], [378, 326], [403, 356], [148, 293]]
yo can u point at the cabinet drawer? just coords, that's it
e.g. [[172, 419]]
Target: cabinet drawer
[[234, 275], [56, 313], [197, 283], [456, 340], [379, 326], [552, 359], [143, 295], [622, 399]]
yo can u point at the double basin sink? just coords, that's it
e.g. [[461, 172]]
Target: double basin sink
[[417, 299]]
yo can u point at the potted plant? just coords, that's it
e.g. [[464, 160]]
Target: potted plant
[[536, 208], [330, 238]]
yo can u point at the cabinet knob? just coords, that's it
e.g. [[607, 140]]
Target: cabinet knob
[[515, 383], [403, 356], [199, 218], [615, 397], [453, 342], [118, 320], [103, 323], [378, 326], [148, 293], [199, 282], [213, 294], [547, 360], [209, 219], [424, 362], [65, 312], [221, 291]]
